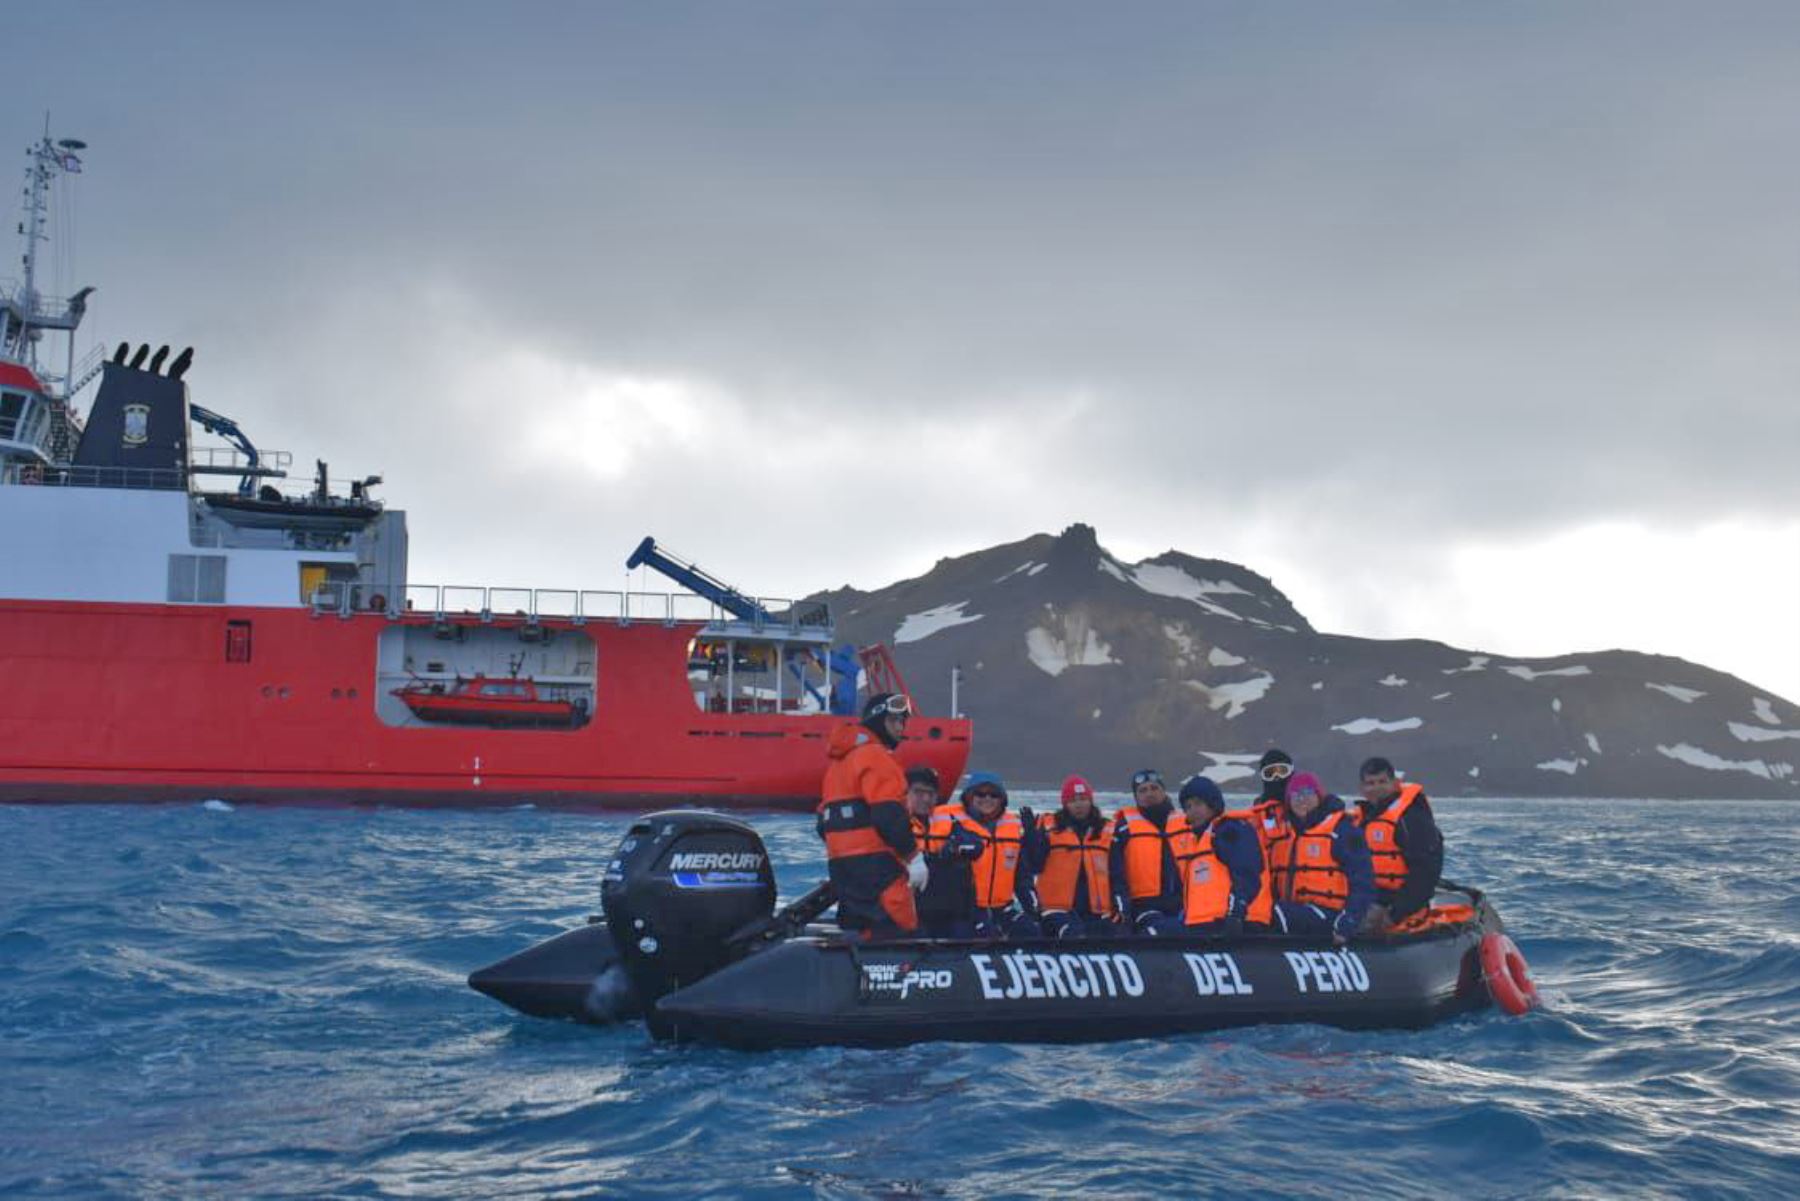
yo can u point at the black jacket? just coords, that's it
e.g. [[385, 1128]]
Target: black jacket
[[1421, 844]]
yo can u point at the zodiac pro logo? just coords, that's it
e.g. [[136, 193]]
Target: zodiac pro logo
[[904, 979]]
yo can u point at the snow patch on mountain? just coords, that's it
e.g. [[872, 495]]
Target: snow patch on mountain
[[1744, 733], [1696, 757], [924, 625], [1114, 570], [1567, 766], [1765, 712], [1026, 566], [1442, 696], [1475, 663], [1233, 698], [1527, 673], [1686, 696], [1218, 656], [1593, 744], [1556, 704], [1371, 725], [1054, 655], [1162, 580], [1229, 765], [1391, 680], [1184, 642]]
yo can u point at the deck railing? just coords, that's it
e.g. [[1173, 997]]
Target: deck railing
[[444, 602]]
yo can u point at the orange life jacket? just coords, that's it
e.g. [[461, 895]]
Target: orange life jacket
[[1074, 855], [997, 868], [1209, 880], [1307, 868], [1272, 825], [860, 772], [1144, 845], [1390, 864]]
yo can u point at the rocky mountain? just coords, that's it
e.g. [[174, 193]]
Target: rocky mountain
[[1075, 661]]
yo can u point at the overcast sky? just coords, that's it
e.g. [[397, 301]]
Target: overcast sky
[[1473, 322]]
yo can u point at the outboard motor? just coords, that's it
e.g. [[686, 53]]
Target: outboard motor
[[681, 884]]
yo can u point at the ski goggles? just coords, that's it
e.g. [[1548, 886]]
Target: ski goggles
[[1277, 771], [1148, 776], [894, 706]]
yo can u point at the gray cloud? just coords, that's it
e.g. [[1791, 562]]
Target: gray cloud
[[1368, 280]]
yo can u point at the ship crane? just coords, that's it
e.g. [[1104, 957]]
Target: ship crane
[[691, 577], [225, 427]]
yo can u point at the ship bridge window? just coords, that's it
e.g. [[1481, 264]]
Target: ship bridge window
[[197, 579], [754, 675], [12, 406]]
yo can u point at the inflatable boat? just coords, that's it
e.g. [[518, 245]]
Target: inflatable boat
[[693, 944]]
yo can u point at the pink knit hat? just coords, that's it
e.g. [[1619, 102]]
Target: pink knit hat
[[1303, 781]]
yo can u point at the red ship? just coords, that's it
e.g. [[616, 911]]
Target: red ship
[[163, 640]]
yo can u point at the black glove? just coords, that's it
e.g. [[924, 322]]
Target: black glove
[[1027, 816]]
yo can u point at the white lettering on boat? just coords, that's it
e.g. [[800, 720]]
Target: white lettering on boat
[[716, 861], [1015, 975], [1328, 971], [1216, 975], [905, 979]]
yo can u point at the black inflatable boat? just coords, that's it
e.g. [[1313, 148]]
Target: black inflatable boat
[[693, 944]]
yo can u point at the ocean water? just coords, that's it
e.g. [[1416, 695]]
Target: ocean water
[[270, 1002]]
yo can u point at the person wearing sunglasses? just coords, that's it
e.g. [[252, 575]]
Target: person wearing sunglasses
[[1149, 837], [1323, 880], [1069, 853], [872, 856], [999, 880]]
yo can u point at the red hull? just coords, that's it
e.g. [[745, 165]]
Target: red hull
[[115, 703]]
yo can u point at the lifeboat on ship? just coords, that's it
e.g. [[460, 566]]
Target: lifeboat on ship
[[692, 943], [487, 701]]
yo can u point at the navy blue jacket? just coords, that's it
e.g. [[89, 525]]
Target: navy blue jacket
[[1352, 856], [1170, 899], [1239, 849]]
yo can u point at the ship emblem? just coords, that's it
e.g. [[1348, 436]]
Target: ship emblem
[[137, 424]]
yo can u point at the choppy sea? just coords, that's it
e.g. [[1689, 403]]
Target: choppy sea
[[270, 1002]]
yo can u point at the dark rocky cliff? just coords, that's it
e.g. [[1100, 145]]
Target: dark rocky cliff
[[1075, 661]]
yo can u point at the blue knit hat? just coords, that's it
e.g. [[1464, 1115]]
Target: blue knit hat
[[1204, 789]]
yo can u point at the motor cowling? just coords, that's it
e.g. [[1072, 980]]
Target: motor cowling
[[681, 883]]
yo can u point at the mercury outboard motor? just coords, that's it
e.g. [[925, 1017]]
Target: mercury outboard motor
[[681, 884]]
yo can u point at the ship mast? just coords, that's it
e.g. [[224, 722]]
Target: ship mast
[[27, 313]]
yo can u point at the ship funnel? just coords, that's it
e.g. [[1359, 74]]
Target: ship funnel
[[182, 362], [119, 354], [156, 360], [137, 360]]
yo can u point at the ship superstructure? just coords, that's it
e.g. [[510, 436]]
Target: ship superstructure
[[186, 622]]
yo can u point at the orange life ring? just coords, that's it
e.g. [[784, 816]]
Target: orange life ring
[[1508, 979]]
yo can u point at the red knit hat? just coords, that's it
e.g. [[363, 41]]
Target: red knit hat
[[1076, 786]]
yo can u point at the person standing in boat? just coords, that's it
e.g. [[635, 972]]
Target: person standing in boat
[[1323, 881], [1405, 846], [1148, 837], [874, 862], [999, 879], [1225, 883], [1069, 852]]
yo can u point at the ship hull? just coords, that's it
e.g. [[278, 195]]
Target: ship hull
[[116, 703]]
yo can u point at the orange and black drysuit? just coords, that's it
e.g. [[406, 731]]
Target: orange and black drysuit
[[1072, 863], [868, 833], [1322, 879], [1145, 863], [1406, 850], [1224, 876]]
